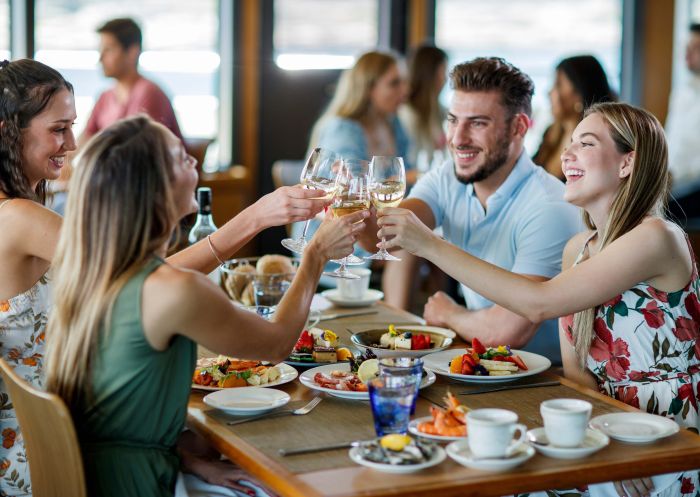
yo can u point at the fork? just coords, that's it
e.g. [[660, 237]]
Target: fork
[[295, 412]]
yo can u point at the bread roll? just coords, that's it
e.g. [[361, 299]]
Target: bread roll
[[248, 295], [274, 264], [236, 280]]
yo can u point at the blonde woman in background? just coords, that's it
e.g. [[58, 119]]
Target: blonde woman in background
[[632, 264], [125, 324], [422, 115]]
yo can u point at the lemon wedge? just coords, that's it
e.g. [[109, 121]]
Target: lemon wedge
[[395, 442], [368, 370]]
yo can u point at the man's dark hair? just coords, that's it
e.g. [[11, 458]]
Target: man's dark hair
[[125, 30], [695, 28], [495, 74]]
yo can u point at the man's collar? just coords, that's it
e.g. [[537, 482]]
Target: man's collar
[[522, 169]]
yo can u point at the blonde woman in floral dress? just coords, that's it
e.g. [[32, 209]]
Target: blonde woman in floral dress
[[631, 290], [37, 110]]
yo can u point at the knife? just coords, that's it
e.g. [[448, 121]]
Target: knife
[[509, 387], [318, 448], [337, 315]]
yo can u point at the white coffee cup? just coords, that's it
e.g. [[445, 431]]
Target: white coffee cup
[[355, 289], [565, 421], [491, 433]]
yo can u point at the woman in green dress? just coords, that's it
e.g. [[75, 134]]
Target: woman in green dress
[[123, 331]]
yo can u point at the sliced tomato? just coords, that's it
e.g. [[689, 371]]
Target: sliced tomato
[[478, 346]]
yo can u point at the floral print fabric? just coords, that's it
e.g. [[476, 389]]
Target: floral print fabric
[[22, 325]]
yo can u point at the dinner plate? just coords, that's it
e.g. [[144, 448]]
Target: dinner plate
[[460, 453], [307, 379], [246, 401], [439, 362], [413, 428], [634, 427], [437, 457], [370, 297], [363, 339], [593, 442], [287, 374], [303, 364]]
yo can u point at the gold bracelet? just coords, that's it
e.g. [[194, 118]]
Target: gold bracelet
[[213, 251]]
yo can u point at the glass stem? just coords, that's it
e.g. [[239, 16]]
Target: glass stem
[[383, 250], [303, 233]]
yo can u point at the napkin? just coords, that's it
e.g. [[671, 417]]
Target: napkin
[[190, 486]]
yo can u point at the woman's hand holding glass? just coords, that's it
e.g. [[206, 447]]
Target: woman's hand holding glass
[[404, 230], [319, 175], [335, 238], [387, 186], [351, 195]]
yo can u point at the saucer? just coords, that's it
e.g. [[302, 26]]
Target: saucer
[[369, 298], [634, 427], [459, 451], [437, 457], [594, 441]]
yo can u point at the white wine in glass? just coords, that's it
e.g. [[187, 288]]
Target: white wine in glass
[[351, 195], [387, 187], [319, 173]]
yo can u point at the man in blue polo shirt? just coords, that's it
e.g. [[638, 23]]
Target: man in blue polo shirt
[[492, 201]]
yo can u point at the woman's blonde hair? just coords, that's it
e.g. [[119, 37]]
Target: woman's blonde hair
[[119, 212], [644, 192], [352, 96]]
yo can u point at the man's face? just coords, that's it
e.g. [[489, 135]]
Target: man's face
[[114, 58], [692, 53], [478, 134]]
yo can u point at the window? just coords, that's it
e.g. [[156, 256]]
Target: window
[[534, 36], [4, 29], [322, 34], [180, 41]]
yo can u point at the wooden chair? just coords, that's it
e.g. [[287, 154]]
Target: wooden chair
[[286, 173], [53, 453]]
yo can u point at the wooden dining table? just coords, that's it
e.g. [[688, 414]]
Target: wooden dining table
[[255, 445]]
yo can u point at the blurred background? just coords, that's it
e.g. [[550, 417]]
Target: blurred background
[[252, 76]]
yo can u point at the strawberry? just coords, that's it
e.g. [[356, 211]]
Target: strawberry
[[478, 346]]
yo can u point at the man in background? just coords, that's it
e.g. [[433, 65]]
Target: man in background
[[682, 125], [120, 48]]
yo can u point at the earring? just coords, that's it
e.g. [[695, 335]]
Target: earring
[[578, 107]]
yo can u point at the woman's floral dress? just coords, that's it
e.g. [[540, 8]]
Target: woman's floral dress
[[646, 353], [22, 324]]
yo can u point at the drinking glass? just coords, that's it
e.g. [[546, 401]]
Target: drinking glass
[[351, 195], [319, 173], [387, 186], [390, 398], [269, 290], [408, 367]]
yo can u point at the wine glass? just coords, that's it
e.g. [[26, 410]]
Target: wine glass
[[387, 186], [319, 173], [351, 195]]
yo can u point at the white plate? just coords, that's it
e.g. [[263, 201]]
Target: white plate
[[413, 428], [459, 451], [357, 341], [594, 441], [437, 458], [440, 363], [287, 374], [307, 379], [369, 298], [246, 401], [634, 427]]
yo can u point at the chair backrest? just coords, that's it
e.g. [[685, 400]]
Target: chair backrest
[[53, 452], [286, 173]]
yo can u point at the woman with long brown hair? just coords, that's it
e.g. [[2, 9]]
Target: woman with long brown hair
[[123, 331], [630, 295]]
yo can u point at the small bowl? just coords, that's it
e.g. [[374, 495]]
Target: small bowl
[[247, 401], [441, 337], [238, 285]]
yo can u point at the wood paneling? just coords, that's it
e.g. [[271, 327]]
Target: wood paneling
[[658, 56]]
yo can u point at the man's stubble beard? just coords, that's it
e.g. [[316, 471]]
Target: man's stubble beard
[[493, 162]]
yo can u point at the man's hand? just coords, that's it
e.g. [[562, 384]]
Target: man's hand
[[438, 309], [403, 229]]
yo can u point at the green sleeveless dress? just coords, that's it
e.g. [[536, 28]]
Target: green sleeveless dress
[[139, 404]]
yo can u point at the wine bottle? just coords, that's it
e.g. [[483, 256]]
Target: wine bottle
[[204, 225]]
